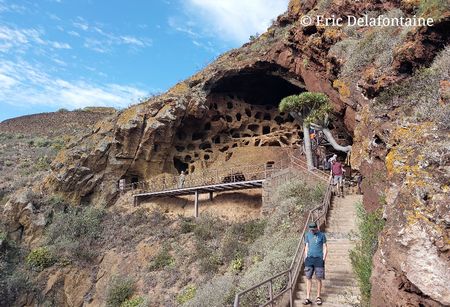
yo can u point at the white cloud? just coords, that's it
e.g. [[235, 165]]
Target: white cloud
[[22, 84], [19, 40], [103, 41], [234, 20]]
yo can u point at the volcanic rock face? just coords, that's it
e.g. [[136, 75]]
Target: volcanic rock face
[[232, 104]]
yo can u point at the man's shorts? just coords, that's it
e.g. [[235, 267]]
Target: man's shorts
[[314, 265], [337, 179]]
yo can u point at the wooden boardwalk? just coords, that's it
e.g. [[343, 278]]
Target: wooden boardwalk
[[233, 178]]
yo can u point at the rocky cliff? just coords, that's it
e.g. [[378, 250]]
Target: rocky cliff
[[390, 93]]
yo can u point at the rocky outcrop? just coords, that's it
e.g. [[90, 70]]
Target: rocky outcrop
[[384, 93]]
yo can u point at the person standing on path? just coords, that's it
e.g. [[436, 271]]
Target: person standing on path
[[181, 180], [337, 172], [315, 256]]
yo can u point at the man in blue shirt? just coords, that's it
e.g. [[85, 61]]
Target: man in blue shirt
[[315, 256]]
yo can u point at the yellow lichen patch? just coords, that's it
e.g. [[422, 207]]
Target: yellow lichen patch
[[332, 34], [294, 6], [179, 88], [343, 88]]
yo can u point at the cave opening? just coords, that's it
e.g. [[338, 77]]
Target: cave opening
[[257, 87], [180, 165]]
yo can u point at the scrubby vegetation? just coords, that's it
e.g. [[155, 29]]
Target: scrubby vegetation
[[72, 232], [370, 225], [422, 93], [254, 250], [163, 259], [40, 258], [433, 8], [376, 48], [120, 289]]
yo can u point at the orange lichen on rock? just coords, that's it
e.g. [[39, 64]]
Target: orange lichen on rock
[[342, 87]]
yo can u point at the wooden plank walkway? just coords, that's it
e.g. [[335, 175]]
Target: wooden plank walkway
[[196, 191]]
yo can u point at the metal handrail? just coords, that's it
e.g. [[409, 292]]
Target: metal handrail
[[213, 176], [318, 215]]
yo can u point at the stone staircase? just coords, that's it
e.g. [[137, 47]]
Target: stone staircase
[[340, 286]]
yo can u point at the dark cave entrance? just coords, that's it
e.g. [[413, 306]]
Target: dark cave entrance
[[257, 87], [180, 165], [242, 112]]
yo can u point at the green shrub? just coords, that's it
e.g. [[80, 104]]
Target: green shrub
[[40, 258], [162, 259], [433, 8], [42, 163], [237, 264], [208, 227], [187, 225], [420, 95], [40, 142], [187, 294], [370, 225], [217, 292], [71, 233], [120, 289], [58, 144], [137, 301]]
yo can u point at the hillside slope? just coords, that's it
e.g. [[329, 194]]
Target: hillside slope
[[390, 93]]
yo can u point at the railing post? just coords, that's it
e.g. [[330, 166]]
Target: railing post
[[236, 301], [270, 293], [291, 290], [196, 204]]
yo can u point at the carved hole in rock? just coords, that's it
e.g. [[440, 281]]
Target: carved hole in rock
[[192, 169], [225, 148], [284, 140], [197, 136], [187, 158], [279, 120], [181, 135], [190, 147], [228, 156], [253, 127], [204, 146], [155, 147], [216, 118], [240, 102], [179, 165]]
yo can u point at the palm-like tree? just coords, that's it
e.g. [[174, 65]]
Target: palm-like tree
[[312, 110]]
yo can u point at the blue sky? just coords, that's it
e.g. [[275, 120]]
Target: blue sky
[[75, 53]]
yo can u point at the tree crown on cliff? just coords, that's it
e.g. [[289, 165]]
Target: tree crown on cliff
[[311, 107]]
